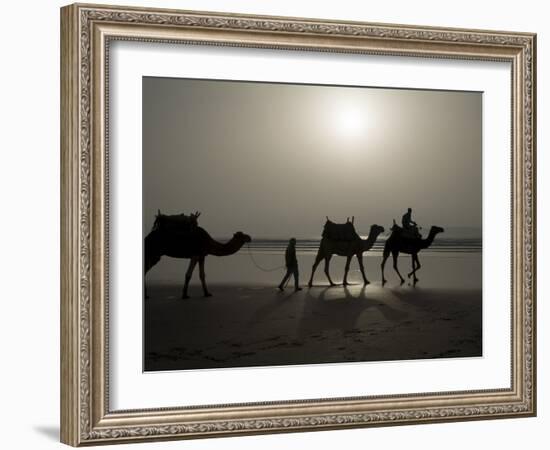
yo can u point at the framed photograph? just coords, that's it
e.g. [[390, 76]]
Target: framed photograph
[[274, 224]]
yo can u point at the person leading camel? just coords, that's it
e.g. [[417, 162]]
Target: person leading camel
[[291, 266]]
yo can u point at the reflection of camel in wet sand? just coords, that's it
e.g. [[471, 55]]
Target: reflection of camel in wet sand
[[399, 242], [350, 245], [193, 243]]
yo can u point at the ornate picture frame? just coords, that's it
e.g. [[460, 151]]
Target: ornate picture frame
[[87, 31]]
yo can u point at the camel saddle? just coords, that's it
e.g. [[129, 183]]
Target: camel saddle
[[340, 231], [411, 233], [177, 223]]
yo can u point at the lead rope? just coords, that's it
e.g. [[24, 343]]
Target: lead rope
[[260, 267]]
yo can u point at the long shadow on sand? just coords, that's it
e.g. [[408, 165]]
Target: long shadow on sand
[[340, 308], [258, 326], [438, 299], [279, 301]]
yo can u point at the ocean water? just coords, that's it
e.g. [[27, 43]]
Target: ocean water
[[311, 245]]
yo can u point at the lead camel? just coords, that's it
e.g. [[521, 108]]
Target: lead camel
[[399, 242]]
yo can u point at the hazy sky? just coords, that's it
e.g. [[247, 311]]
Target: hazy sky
[[273, 160]]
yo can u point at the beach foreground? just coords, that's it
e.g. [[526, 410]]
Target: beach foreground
[[256, 325]]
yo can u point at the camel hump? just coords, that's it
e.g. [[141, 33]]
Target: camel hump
[[180, 223], [340, 231]]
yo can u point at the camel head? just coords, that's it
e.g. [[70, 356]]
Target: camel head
[[376, 229], [239, 236], [436, 230]]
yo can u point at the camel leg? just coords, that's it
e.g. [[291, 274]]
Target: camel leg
[[415, 266], [384, 258], [318, 259], [327, 263], [362, 267], [416, 260], [346, 270], [203, 278], [395, 254], [192, 264], [412, 266]]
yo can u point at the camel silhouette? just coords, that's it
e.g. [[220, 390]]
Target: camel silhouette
[[193, 243], [351, 246], [399, 242]]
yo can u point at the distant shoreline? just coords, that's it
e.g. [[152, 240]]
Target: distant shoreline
[[468, 245]]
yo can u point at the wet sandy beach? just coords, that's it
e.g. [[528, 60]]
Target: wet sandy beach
[[253, 324]]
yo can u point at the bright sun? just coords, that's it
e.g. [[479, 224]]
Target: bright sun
[[350, 121]]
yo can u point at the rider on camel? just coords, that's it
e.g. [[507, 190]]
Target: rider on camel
[[408, 224]]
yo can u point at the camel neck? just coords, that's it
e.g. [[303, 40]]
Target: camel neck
[[429, 240], [369, 242], [224, 249]]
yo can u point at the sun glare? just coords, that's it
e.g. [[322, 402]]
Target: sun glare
[[350, 121]]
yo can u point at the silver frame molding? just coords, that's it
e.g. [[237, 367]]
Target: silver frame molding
[[86, 32]]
